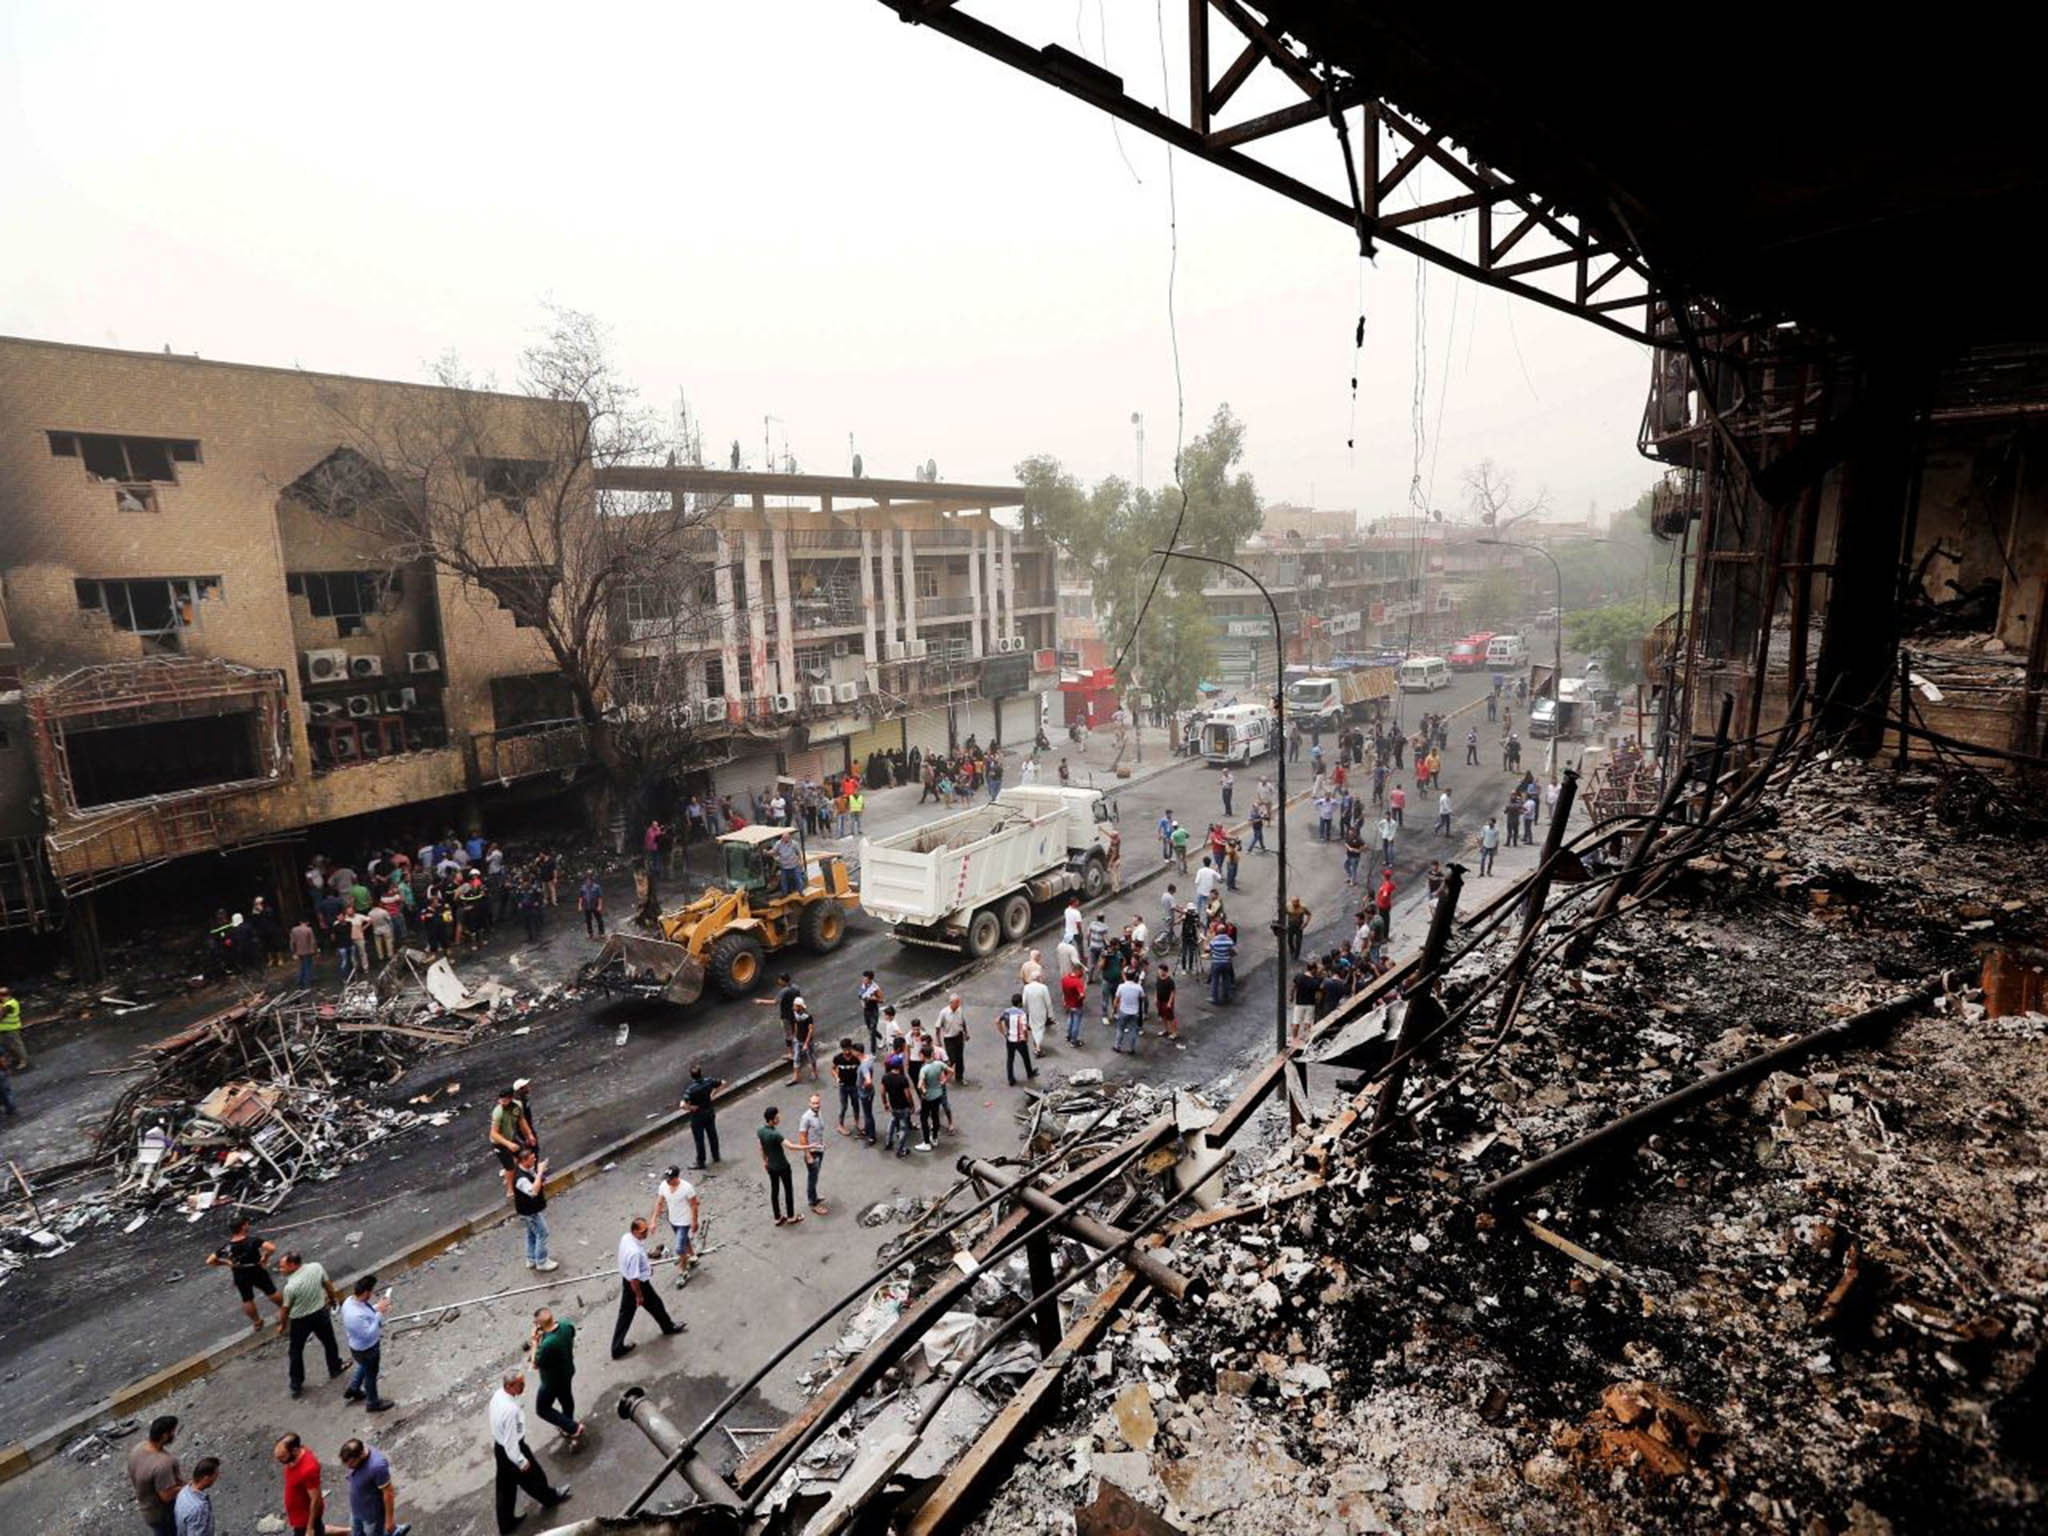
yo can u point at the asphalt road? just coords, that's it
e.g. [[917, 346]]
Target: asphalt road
[[117, 1307]]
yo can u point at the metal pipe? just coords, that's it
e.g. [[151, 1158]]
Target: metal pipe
[[477, 1301], [1098, 1234], [637, 1408], [1632, 1127], [1720, 756]]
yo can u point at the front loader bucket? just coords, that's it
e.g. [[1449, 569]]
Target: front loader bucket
[[655, 966]]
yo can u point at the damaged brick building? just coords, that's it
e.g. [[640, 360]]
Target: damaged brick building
[[202, 662]]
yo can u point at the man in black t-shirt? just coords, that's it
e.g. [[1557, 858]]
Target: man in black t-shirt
[[247, 1260], [846, 1071], [897, 1099], [1308, 989], [703, 1117]]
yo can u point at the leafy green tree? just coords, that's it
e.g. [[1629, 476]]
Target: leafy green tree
[[1496, 602], [1614, 634]]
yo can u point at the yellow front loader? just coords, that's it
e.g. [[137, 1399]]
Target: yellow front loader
[[726, 934]]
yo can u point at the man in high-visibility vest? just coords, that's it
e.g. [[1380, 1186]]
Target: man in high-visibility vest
[[10, 1031]]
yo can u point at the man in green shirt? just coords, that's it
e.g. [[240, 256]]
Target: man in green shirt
[[1180, 840], [554, 1362], [10, 1030], [307, 1295]]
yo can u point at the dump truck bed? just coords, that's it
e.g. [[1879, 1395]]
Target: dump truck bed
[[959, 862]]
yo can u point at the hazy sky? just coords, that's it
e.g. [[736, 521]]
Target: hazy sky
[[791, 208]]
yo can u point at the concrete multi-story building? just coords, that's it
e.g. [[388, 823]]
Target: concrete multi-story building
[[843, 617], [207, 669], [1339, 592]]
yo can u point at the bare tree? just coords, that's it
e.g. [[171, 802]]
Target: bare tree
[[1491, 492], [501, 491]]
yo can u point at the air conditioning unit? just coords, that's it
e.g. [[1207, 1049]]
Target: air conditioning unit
[[1013, 643], [894, 650], [842, 647], [422, 661], [389, 703], [360, 704], [326, 666], [408, 698], [366, 666], [784, 703], [845, 693], [345, 746], [322, 709], [917, 649], [713, 711], [822, 694]]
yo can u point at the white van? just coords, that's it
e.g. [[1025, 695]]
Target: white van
[[1423, 674], [1507, 651], [1237, 733]]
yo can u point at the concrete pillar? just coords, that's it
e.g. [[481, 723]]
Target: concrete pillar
[[785, 613], [1010, 582], [728, 613], [974, 626], [909, 586], [992, 585], [867, 597], [888, 549], [757, 613]]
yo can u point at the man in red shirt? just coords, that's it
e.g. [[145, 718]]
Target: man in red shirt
[[305, 1503], [1384, 898], [1074, 995]]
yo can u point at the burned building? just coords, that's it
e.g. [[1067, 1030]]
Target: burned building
[[205, 655]]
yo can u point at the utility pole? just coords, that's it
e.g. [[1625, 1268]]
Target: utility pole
[[1138, 422]]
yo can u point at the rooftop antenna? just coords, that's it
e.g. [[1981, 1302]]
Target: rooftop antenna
[[1138, 421], [856, 455]]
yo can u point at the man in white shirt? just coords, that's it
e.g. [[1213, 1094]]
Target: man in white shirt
[[1071, 922], [518, 1468], [1141, 936], [1037, 1010], [636, 1288], [1206, 881], [1443, 814], [675, 1202], [952, 1028], [1130, 1014]]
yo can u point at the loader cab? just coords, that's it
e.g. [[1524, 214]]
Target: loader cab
[[750, 861]]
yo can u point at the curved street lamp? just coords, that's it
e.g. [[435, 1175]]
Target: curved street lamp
[[1280, 785]]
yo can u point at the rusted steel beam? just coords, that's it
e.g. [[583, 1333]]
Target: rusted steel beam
[[1269, 123], [1281, 57], [1226, 86], [1633, 1127], [1096, 1234], [1423, 1011], [1198, 65]]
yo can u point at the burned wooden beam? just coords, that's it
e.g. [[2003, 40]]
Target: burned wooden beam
[[1096, 1234]]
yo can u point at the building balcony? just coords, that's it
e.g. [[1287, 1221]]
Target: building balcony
[[519, 752]]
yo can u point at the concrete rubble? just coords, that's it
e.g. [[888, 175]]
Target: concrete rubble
[[1814, 1306]]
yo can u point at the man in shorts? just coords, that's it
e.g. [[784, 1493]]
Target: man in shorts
[[675, 1203], [246, 1258]]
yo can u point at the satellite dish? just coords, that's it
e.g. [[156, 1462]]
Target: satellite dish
[[856, 466], [931, 469]]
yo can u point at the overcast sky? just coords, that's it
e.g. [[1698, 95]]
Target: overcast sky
[[791, 208]]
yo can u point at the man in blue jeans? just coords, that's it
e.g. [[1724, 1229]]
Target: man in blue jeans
[[362, 1322], [530, 1203], [1130, 1014], [1222, 965], [372, 1501], [789, 864]]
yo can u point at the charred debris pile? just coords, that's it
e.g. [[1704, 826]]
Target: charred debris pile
[[1811, 1302], [235, 1111]]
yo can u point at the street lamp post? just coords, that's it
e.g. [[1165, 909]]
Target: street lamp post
[[1280, 787], [1556, 650]]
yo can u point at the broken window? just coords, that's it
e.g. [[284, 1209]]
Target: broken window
[[537, 699], [130, 762], [521, 590], [812, 663], [346, 594], [140, 460], [156, 607], [644, 602], [715, 679], [509, 480]]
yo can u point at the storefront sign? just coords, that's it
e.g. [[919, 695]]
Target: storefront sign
[[1004, 675], [1256, 629], [1343, 623]]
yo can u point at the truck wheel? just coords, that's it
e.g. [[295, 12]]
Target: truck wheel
[[1016, 917], [735, 964], [1094, 879], [822, 927], [984, 933]]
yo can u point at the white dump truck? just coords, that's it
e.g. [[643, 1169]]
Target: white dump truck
[[968, 881]]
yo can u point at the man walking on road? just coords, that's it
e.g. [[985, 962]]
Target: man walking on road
[[553, 1352], [153, 1474], [1222, 965], [896, 1099], [952, 1026], [1443, 814], [247, 1260], [871, 1008], [697, 1099], [775, 1160], [517, 1467], [1130, 1013], [636, 1289], [372, 1501], [1015, 1026], [1227, 784], [362, 1321], [530, 1204], [308, 1293], [675, 1202], [1489, 844]]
